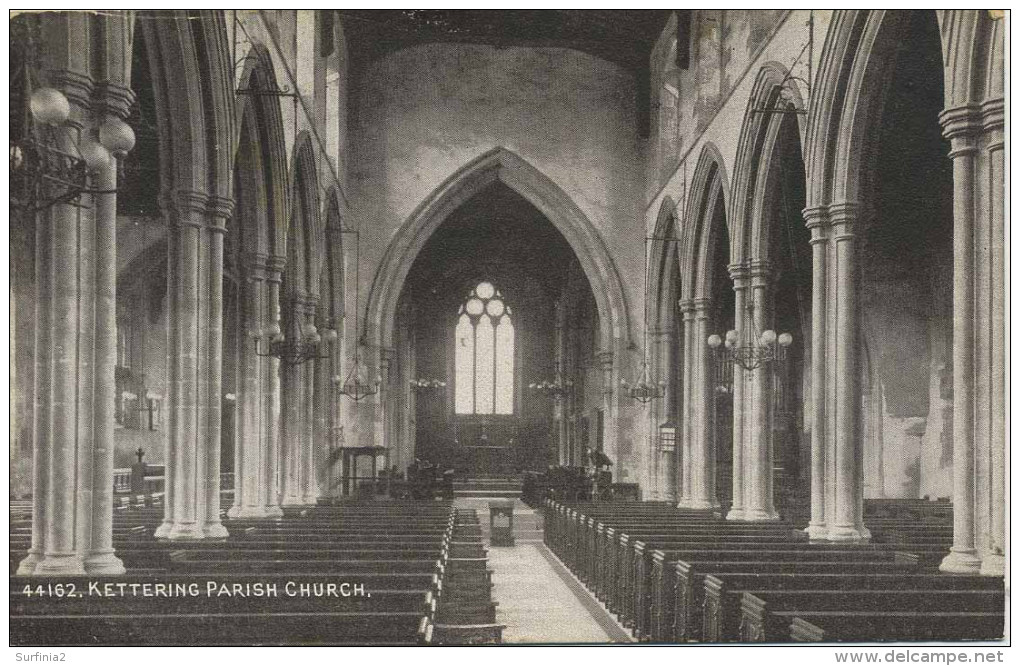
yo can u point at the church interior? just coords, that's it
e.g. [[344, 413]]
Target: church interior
[[419, 327]]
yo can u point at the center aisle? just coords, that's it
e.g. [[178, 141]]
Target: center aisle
[[540, 601]]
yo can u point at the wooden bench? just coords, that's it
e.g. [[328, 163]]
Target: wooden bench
[[869, 626], [724, 592]]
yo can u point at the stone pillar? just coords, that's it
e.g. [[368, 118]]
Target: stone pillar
[[293, 430], [75, 354], [195, 316], [818, 223], [657, 413], [739, 274], [218, 212], [250, 487], [386, 399], [848, 482], [684, 449], [960, 129], [605, 359], [271, 412], [758, 500], [309, 442], [992, 378], [703, 440]]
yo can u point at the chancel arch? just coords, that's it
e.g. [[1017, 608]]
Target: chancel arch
[[505, 167]]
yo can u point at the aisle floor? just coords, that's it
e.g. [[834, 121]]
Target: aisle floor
[[541, 602]]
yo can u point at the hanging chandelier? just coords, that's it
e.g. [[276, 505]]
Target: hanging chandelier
[[50, 164], [644, 389], [754, 350], [356, 386], [301, 346]]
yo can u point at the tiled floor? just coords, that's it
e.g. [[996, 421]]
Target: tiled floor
[[538, 606]]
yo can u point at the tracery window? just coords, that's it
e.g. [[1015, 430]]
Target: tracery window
[[484, 355]]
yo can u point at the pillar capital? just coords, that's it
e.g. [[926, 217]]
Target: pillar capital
[[701, 306], [605, 359], [739, 274], [816, 219], [220, 209], [843, 216], [77, 87], [961, 122], [113, 99], [760, 271]]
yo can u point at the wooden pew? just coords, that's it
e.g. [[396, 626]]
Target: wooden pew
[[724, 593], [689, 576], [870, 626]]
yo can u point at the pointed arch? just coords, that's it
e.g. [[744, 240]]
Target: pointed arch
[[759, 136], [664, 267], [264, 128], [711, 189], [305, 229], [191, 77], [507, 167]]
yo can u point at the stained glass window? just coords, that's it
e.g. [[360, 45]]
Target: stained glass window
[[484, 354]]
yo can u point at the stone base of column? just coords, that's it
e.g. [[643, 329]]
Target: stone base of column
[[312, 499], [62, 564], [104, 562], [735, 514], [701, 504], [248, 512], [761, 515], [215, 530], [184, 532], [817, 531], [961, 562], [163, 531], [292, 502], [28, 565], [993, 565], [848, 534], [274, 512]]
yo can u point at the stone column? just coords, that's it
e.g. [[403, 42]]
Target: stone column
[[993, 376], [848, 490], [817, 221], [739, 273], [75, 354], [959, 127], [686, 431], [271, 412], [758, 502], [293, 430], [195, 313], [309, 443], [99, 556], [657, 413], [249, 440], [218, 212], [668, 346], [605, 359], [703, 441]]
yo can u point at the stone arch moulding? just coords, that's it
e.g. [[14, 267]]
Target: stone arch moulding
[[759, 135], [507, 167], [661, 297], [265, 111], [708, 183], [305, 204]]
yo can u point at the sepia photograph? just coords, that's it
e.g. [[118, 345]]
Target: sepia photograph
[[518, 327]]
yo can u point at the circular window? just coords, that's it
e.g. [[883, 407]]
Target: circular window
[[485, 290], [474, 307]]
